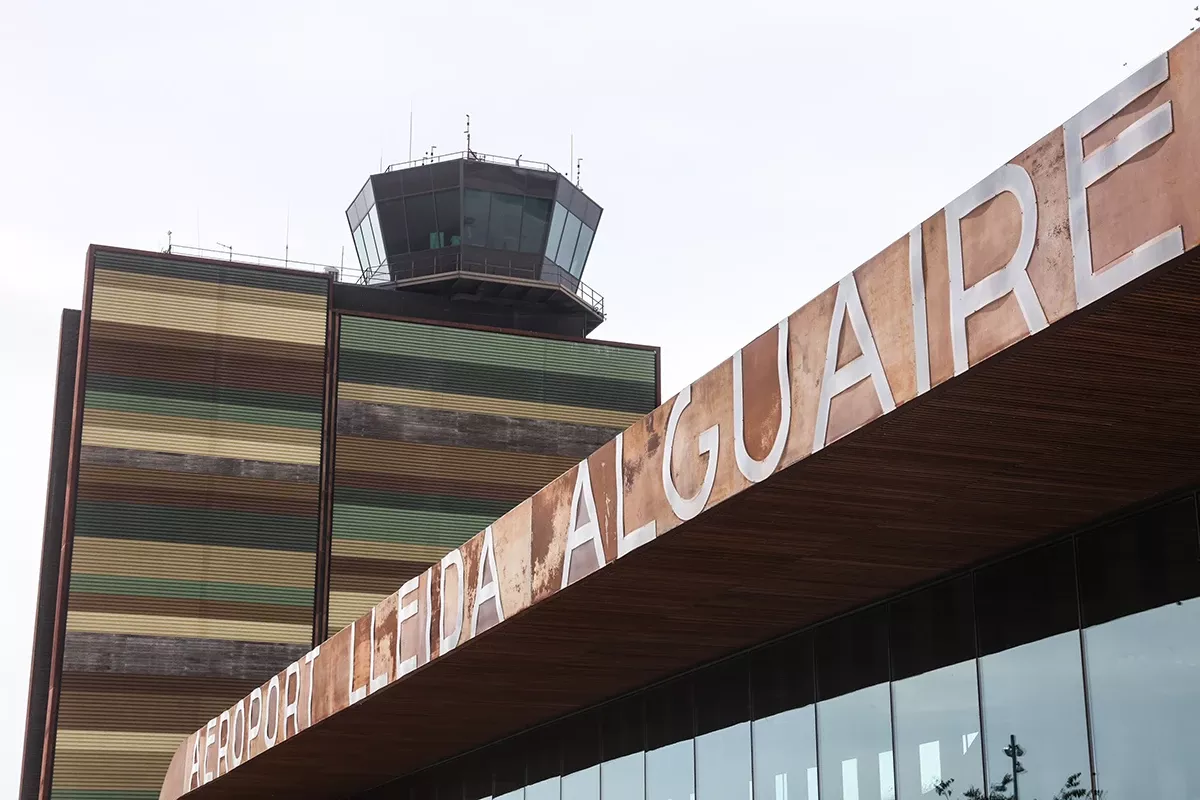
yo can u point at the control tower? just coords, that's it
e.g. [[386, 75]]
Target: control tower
[[476, 239]]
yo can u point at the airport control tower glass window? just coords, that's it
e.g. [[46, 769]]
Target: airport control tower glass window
[[422, 222], [581, 251], [504, 229], [533, 224], [556, 230], [449, 219], [476, 213]]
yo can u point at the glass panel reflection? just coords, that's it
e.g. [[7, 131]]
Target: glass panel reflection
[[937, 732], [784, 730], [1031, 673], [935, 692], [581, 251], [670, 772], [570, 236], [448, 219], [855, 735], [581, 785], [623, 749], [533, 224], [723, 761], [360, 249], [1142, 672], [1139, 579], [476, 211], [504, 229], [785, 756], [556, 230], [418, 211], [1034, 693], [378, 236], [670, 763]]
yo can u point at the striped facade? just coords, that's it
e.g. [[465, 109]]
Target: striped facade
[[441, 430], [195, 515]]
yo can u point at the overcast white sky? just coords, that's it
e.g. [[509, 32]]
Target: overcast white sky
[[747, 154]]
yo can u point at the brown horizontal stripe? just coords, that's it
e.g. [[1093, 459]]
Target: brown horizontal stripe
[[205, 367], [133, 708], [369, 575], [419, 484], [201, 465], [196, 341], [192, 609], [184, 498], [444, 462], [468, 429], [120, 654], [165, 685], [155, 480]]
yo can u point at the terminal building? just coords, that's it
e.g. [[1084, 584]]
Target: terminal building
[[247, 458], [934, 534]]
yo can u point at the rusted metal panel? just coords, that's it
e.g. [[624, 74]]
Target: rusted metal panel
[[871, 441], [191, 541]]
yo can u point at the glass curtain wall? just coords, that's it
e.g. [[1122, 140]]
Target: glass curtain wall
[[979, 687]]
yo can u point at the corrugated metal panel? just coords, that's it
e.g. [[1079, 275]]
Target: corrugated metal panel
[[441, 430], [195, 518]]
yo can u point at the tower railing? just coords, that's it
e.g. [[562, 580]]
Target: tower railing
[[449, 263], [471, 155]]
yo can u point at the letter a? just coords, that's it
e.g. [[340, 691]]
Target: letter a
[[867, 365], [584, 526]]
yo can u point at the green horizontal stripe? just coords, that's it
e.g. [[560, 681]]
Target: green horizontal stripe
[[204, 393], [369, 524], [195, 526], [444, 504], [529, 385], [191, 409], [191, 590], [166, 267], [486, 348]]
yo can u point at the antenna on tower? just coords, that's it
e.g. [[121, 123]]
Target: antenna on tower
[[579, 173], [228, 247], [168, 241], [468, 132]]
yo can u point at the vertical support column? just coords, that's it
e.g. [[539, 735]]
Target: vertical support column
[[328, 457]]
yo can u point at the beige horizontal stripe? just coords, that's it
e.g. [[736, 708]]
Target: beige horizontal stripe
[[393, 395], [185, 287], [101, 770], [207, 315], [346, 607], [452, 463], [141, 559], [134, 431], [233, 630], [387, 551], [116, 741]]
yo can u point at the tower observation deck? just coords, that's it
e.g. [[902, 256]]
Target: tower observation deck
[[479, 239]]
